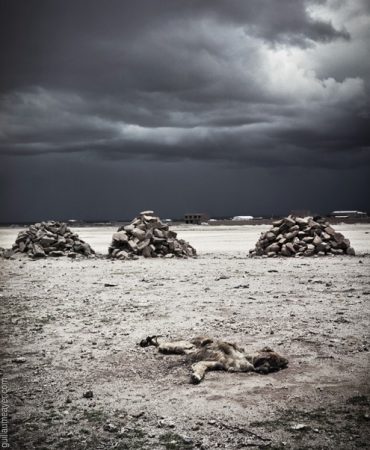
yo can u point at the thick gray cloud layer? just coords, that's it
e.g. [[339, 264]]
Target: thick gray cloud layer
[[226, 86]]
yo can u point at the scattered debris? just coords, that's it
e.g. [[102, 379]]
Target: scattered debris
[[146, 235], [298, 236]]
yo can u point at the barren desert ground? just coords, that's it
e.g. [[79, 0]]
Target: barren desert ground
[[69, 327]]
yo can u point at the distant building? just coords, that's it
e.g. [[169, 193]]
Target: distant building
[[347, 214], [242, 218], [196, 218]]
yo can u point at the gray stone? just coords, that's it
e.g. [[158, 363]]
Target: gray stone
[[273, 248], [277, 223], [138, 233], [275, 230], [158, 233], [329, 230], [147, 252], [308, 239], [56, 253], [143, 244], [46, 241], [291, 235], [270, 236], [313, 224], [302, 221], [111, 428], [88, 394], [284, 251], [38, 251], [339, 238], [289, 221], [129, 228], [322, 247], [120, 236], [132, 245], [350, 251], [290, 247], [122, 254], [150, 218], [309, 252], [337, 251]]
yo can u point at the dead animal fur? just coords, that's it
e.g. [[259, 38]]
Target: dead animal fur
[[209, 354]]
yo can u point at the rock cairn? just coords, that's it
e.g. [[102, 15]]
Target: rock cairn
[[146, 235], [50, 239], [298, 236]]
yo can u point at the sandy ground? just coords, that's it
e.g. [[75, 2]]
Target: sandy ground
[[69, 327]]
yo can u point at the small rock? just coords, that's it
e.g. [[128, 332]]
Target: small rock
[[299, 427], [166, 423], [19, 360], [88, 394], [111, 428]]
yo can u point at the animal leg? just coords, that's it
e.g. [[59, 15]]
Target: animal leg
[[241, 366], [176, 348], [200, 368]]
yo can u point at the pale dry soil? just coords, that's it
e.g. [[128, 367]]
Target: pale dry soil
[[68, 327]]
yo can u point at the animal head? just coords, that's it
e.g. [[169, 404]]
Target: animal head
[[266, 361], [150, 340]]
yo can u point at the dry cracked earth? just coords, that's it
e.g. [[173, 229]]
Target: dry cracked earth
[[77, 379]]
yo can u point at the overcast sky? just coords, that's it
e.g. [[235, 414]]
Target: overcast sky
[[229, 107]]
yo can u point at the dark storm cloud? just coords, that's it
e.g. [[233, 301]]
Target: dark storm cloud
[[111, 47], [232, 82]]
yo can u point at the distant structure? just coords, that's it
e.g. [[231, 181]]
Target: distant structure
[[347, 214], [240, 218], [196, 218]]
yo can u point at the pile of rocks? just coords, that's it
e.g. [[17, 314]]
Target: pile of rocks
[[146, 235], [298, 236], [50, 239]]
